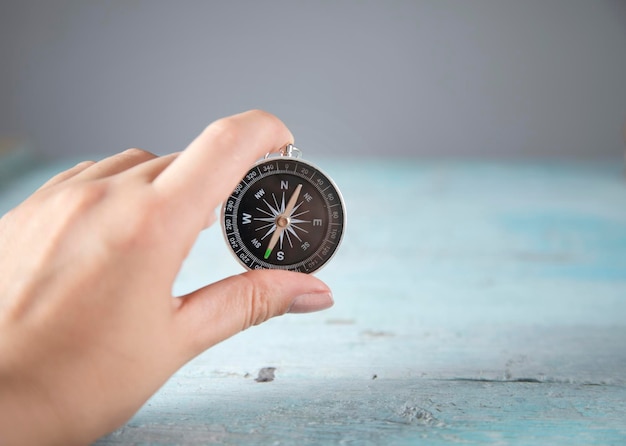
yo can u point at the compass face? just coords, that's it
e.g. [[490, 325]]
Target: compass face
[[284, 214]]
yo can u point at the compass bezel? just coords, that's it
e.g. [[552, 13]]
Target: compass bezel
[[308, 172]]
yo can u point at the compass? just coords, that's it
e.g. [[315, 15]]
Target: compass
[[284, 214]]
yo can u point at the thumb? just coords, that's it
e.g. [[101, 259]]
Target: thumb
[[220, 310]]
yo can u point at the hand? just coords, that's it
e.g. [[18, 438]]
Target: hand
[[89, 329]]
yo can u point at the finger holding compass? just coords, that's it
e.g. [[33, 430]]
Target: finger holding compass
[[283, 221]]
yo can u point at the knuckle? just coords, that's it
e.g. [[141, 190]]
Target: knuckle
[[262, 114], [71, 204], [84, 164], [80, 196], [134, 152], [225, 131], [270, 121], [63, 209], [232, 131], [269, 118]]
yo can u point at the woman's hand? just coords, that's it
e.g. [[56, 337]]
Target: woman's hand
[[89, 329]]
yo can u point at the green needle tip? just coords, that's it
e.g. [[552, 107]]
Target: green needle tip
[[267, 254]]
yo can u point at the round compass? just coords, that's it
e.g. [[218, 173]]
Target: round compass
[[284, 214]]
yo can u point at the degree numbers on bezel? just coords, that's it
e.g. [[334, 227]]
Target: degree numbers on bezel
[[284, 214]]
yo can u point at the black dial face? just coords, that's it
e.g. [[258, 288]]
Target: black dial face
[[284, 214]]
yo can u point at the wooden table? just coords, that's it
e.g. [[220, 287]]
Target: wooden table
[[476, 302]]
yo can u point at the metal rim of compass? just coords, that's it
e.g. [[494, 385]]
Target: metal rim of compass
[[289, 151]]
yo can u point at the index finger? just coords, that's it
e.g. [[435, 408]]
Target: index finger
[[208, 170]]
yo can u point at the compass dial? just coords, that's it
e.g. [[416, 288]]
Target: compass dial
[[284, 214]]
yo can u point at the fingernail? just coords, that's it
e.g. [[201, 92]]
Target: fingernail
[[309, 303]]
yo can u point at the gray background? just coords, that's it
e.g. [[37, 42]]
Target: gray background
[[489, 78]]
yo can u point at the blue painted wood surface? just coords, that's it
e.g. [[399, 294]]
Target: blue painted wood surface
[[476, 302]]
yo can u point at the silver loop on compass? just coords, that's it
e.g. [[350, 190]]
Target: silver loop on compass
[[289, 150]]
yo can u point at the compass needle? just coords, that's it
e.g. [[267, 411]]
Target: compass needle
[[287, 214], [282, 220], [292, 201]]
